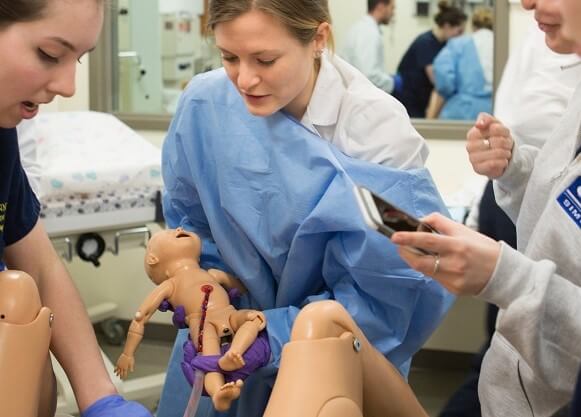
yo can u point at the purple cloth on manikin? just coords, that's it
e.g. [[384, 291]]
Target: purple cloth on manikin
[[179, 314], [256, 356]]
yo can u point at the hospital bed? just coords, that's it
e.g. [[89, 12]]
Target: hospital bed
[[99, 189]]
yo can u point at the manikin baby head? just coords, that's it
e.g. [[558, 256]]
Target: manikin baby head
[[168, 251]]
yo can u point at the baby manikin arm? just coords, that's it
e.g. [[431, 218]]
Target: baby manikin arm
[[25, 330]]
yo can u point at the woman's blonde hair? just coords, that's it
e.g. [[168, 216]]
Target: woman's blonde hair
[[300, 17], [483, 18]]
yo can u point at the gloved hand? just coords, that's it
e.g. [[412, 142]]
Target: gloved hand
[[115, 406], [256, 356], [179, 314], [397, 83]]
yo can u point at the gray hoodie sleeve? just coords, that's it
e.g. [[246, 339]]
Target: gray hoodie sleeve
[[541, 317], [510, 188]]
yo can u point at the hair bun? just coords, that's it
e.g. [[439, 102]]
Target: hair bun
[[443, 5]]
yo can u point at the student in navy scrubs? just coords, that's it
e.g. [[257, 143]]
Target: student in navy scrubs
[[40, 44], [415, 68]]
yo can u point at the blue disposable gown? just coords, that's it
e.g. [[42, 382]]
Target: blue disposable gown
[[461, 78], [274, 204]]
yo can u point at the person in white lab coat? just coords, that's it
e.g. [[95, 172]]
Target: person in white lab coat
[[532, 363], [364, 48], [534, 91]]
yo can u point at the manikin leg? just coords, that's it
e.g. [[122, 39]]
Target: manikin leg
[[246, 330], [222, 393], [329, 369], [25, 329]]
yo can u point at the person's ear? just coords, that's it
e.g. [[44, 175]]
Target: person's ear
[[151, 259], [322, 36]]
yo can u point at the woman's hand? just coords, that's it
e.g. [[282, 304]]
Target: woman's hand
[[489, 146], [466, 258]]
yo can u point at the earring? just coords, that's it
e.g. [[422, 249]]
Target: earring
[[318, 54]]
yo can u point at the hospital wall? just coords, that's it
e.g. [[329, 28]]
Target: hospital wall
[[121, 279]]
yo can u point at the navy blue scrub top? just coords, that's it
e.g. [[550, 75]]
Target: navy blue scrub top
[[19, 207], [417, 87]]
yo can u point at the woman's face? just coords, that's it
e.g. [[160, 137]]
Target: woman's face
[[270, 68], [549, 18], [571, 10], [39, 58]]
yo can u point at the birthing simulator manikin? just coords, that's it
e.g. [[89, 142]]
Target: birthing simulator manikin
[[171, 262], [25, 331], [327, 369], [330, 369]]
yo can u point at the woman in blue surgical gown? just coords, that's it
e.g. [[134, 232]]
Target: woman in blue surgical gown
[[463, 71], [260, 161]]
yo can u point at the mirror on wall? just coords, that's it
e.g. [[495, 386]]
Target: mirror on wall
[[426, 42], [156, 46]]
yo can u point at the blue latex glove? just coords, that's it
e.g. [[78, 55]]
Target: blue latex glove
[[115, 406], [397, 83]]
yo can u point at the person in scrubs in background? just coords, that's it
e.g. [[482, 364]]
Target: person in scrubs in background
[[260, 161], [463, 70], [415, 68]]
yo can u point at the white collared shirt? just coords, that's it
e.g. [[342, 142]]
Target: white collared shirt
[[535, 89], [364, 50], [360, 119]]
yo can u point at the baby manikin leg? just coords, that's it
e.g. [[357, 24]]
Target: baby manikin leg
[[25, 330], [318, 378]]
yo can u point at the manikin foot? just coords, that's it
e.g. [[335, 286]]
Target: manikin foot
[[231, 361], [222, 399]]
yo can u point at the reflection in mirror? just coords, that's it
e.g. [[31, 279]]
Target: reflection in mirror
[[159, 45], [400, 57]]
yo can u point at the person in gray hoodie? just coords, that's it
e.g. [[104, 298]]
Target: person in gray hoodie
[[531, 366]]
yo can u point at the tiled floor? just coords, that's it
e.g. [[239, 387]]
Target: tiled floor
[[433, 387]]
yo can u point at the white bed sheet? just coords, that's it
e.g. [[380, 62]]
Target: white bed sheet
[[96, 173], [91, 152]]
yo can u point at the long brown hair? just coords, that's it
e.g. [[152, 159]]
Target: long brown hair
[[13, 11], [301, 17]]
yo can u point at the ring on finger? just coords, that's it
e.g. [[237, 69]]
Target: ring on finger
[[436, 264], [486, 143]]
